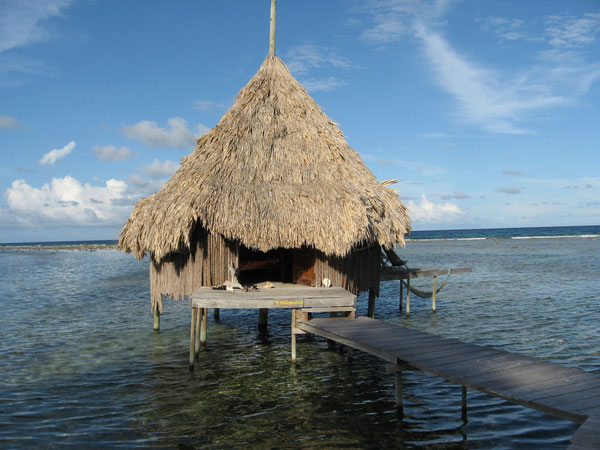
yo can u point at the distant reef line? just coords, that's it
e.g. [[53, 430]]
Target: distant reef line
[[81, 247]]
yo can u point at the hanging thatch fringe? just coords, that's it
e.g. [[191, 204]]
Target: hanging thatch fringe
[[180, 274]]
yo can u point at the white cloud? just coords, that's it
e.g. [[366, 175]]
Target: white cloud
[[416, 166], [483, 99], [67, 201], [494, 101], [20, 21], [175, 135], [304, 57], [457, 195], [430, 212], [392, 19], [54, 155], [21, 24], [512, 172], [112, 153], [510, 190], [7, 122], [160, 169], [208, 105], [327, 84], [568, 31], [509, 29]]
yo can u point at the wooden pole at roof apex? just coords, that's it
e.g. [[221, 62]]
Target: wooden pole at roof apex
[[272, 30]]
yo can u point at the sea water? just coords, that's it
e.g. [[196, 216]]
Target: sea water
[[81, 366]]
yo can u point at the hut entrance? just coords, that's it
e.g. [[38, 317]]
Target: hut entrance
[[256, 267], [303, 266], [284, 265]]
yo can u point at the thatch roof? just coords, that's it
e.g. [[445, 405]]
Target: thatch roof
[[275, 172]]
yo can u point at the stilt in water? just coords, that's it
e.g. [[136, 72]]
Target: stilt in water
[[156, 319], [408, 296], [263, 318], [371, 307], [216, 313], [203, 325], [401, 289]]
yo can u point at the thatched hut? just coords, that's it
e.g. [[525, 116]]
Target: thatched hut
[[273, 192]]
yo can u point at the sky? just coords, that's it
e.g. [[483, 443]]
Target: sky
[[487, 112]]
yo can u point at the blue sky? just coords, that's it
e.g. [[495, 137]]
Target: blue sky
[[486, 111]]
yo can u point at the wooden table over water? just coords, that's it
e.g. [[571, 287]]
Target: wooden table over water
[[406, 273], [296, 297], [565, 392]]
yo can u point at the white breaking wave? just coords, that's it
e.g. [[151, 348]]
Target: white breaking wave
[[558, 237]]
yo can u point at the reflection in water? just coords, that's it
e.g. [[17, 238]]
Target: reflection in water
[[80, 363]]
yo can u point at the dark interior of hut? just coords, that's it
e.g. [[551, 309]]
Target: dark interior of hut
[[284, 265], [256, 266]]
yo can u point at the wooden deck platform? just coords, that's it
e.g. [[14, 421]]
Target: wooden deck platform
[[301, 300], [565, 392]]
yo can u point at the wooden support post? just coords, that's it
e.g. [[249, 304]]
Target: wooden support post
[[272, 28], [408, 296], [434, 293], [203, 326], [156, 319], [192, 335], [371, 307], [263, 318], [293, 335], [399, 401], [216, 313], [401, 289], [197, 331], [464, 404]]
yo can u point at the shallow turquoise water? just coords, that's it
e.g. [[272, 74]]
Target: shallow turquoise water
[[81, 365]]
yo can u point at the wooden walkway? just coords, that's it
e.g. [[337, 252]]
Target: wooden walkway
[[565, 392]]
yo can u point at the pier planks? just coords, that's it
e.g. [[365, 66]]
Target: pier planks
[[565, 392]]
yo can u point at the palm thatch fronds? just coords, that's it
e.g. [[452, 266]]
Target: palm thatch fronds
[[275, 172]]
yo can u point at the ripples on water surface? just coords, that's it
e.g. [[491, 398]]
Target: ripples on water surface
[[81, 365]]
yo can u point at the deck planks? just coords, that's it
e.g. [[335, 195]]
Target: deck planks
[[565, 392]]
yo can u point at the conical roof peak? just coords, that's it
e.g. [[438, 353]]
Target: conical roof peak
[[275, 172]]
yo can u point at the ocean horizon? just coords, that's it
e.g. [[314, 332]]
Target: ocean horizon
[[572, 231]]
